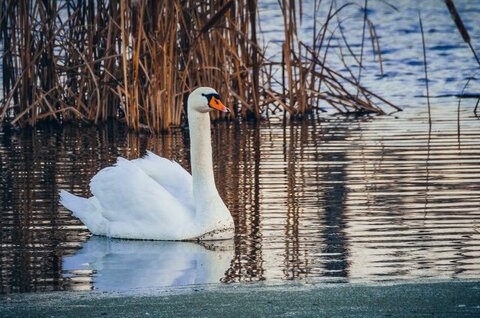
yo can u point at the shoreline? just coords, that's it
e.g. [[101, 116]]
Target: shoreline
[[439, 298]]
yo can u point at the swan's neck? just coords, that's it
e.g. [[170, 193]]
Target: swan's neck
[[204, 190]]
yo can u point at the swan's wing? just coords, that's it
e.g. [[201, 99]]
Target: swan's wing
[[87, 210], [136, 205], [170, 175]]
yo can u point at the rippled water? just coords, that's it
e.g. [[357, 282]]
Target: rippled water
[[329, 199], [335, 199]]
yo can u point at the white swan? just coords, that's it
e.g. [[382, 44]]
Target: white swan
[[153, 198]]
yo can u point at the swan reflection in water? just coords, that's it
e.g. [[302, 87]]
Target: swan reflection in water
[[122, 265]]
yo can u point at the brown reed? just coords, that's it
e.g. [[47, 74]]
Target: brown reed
[[461, 27], [425, 68], [136, 60]]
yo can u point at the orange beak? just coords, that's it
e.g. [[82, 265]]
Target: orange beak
[[217, 104]]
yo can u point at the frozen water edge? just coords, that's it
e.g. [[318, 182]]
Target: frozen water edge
[[440, 298]]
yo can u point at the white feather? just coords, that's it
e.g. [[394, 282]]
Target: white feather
[[155, 198]]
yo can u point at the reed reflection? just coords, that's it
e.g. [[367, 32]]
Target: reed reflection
[[334, 195], [316, 200], [238, 181], [34, 233], [412, 205]]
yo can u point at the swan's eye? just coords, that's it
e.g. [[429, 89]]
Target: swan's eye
[[215, 102], [209, 97]]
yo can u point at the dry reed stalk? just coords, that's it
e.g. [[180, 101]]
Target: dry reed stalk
[[425, 68], [135, 60], [362, 45], [461, 27], [466, 38], [302, 92]]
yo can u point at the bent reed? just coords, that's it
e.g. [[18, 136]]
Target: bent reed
[[137, 60]]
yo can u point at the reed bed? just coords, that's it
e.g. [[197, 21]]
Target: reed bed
[[137, 60]]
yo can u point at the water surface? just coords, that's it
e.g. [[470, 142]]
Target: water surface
[[335, 199]]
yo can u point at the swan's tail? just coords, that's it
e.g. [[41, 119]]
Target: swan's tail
[[86, 211]]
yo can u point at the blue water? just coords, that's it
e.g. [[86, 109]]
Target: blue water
[[450, 61]]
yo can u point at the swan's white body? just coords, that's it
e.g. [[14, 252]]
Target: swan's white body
[[154, 198]]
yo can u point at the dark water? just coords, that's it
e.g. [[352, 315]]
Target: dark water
[[336, 199]]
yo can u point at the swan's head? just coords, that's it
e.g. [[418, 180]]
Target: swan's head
[[204, 99]]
